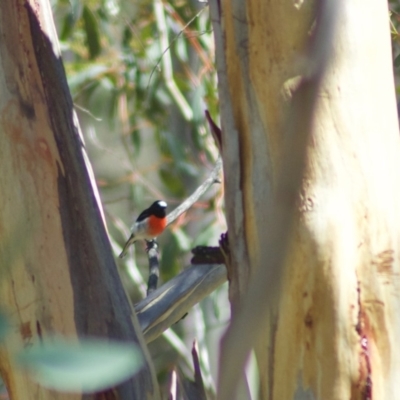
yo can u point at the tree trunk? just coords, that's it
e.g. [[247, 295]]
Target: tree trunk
[[333, 332], [57, 270]]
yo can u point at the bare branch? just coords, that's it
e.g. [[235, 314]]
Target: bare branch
[[172, 41], [213, 178], [169, 303], [167, 63]]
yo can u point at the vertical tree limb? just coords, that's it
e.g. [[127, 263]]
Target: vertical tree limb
[[62, 278]]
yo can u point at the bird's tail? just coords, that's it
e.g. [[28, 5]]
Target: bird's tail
[[127, 244]]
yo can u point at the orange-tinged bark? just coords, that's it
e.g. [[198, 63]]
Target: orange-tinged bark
[[57, 275], [333, 335]]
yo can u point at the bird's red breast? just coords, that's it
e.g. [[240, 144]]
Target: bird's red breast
[[156, 225]]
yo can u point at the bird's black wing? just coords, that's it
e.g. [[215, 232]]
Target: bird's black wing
[[143, 215]]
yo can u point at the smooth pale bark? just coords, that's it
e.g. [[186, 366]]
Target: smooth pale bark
[[57, 273], [335, 332]]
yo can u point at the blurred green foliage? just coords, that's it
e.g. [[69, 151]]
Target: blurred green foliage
[[394, 7], [114, 62], [86, 366], [145, 140]]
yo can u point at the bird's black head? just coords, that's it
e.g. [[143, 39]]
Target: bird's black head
[[158, 208]]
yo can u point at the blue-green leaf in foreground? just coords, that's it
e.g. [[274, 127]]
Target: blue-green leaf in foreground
[[89, 365]]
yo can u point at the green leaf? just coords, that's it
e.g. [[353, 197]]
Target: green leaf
[[89, 365], [70, 19], [172, 182], [170, 264], [67, 27], [188, 169], [76, 6], [92, 32], [102, 97], [92, 73], [181, 50], [136, 139]]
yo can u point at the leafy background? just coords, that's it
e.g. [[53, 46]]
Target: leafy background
[[141, 75]]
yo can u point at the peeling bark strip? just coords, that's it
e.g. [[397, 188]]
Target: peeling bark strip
[[365, 380], [231, 160], [57, 269], [367, 392]]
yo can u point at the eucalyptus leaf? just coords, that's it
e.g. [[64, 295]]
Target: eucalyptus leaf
[[89, 365], [91, 73], [92, 32], [71, 18], [76, 8], [181, 50], [172, 181]]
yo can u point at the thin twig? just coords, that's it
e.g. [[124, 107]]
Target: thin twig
[[167, 63], [171, 42], [213, 178], [86, 111], [198, 378]]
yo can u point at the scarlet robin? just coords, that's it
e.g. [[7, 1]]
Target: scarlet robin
[[149, 224]]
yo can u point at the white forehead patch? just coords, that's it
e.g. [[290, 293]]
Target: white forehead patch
[[162, 203]]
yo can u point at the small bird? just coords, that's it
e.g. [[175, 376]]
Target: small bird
[[149, 224]]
